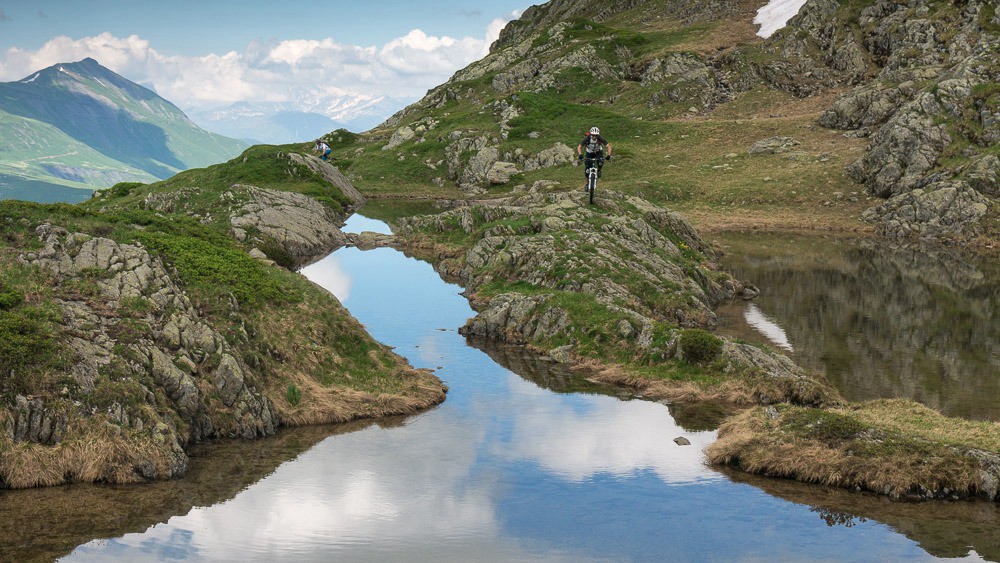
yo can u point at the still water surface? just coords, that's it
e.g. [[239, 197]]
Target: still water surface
[[532, 464], [878, 319]]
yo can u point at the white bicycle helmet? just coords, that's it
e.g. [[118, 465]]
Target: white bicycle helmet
[[595, 131]]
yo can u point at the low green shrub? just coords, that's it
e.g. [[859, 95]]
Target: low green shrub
[[25, 340], [122, 189], [10, 298], [277, 252], [700, 346], [293, 394]]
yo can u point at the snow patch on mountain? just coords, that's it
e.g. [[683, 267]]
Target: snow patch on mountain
[[775, 15]]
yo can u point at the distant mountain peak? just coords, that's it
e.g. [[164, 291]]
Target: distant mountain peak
[[81, 124]]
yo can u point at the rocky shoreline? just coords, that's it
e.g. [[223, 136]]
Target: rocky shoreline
[[509, 243], [149, 364], [644, 278]]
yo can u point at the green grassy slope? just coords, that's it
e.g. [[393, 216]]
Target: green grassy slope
[[696, 161], [81, 125]]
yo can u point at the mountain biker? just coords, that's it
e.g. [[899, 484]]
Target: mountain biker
[[594, 144], [322, 148]]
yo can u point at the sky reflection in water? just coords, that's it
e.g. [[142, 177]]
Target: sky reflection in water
[[503, 470]]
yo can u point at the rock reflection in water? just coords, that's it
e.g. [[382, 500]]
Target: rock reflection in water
[[40, 524], [880, 320], [551, 375], [947, 529], [542, 370]]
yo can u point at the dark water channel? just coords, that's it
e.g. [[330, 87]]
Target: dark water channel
[[878, 319], [524, 461]]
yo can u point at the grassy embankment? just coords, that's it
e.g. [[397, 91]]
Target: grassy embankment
[[314, 361], [893, 447]]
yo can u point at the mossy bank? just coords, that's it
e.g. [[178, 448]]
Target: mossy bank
[[153, 317], [892, 447]]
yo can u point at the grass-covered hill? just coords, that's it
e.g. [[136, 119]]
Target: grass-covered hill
[[886, 106], [152, 317], [80, 125]]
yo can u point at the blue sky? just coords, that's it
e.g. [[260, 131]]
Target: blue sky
[[212, 53], [192, 27]]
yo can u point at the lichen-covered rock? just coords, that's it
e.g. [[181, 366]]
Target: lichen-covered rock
[[401, 135], [500, 172], [304, 227], [229, 380], [179, 386], [480, 163], [553, 156], [867, 105], [904, 150], [984, 175], [942, 209], [453, 152], [34, 421], [773, 145]]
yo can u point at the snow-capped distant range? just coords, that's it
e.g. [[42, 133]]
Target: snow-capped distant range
[[775, 15], [307, 116]]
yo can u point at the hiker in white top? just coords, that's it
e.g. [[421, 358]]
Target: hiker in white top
[[322, 148]]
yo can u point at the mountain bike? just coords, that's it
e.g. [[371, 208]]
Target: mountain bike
[[592, 171]]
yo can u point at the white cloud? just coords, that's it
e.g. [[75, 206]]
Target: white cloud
[[329, 274], [267, 71]]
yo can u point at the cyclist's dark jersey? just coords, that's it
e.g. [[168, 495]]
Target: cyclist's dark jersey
[[593, 144]]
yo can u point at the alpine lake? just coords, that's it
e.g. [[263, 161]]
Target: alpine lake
[[527, 460]]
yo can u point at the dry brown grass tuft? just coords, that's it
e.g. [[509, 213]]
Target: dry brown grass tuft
[[322, 404], [841, 449], [738, 391], [342, 373], [91, 453], [908, 417]]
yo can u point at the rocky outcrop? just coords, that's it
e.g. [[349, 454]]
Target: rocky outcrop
[[500, 172], [619, 258], [534, 251], [332, 175], [553, 156], [301, 225], [934, 94], [868, 105], [904, 151], [939, 210], [161, 345], [401, 135], [984, 175], [33, 420]]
